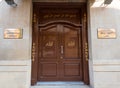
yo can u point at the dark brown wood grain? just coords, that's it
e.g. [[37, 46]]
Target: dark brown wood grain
[[59, 35]]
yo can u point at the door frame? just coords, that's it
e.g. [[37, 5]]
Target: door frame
[[34, 56]]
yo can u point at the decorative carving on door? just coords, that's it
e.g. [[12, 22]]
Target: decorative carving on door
[[59, 43], [72, 43], [49, 44], [55, 15], [58, 15]]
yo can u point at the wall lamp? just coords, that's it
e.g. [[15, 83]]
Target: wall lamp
[[11, 3], [107, 2]]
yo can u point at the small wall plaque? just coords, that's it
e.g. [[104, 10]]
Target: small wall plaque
[[106, 33], [13, 33]]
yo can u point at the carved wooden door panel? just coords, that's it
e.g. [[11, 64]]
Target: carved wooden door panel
[[48, 53], [60, 44], [60, 53], [70, 55]]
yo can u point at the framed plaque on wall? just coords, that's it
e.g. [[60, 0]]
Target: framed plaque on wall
[[12, 33], [106, 33]]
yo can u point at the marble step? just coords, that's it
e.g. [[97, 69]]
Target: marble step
[[60, 85]]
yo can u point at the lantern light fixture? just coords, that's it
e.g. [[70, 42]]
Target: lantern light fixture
[[11, 3], [107, 2]]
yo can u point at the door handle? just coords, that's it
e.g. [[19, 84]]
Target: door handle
[[62, 50]]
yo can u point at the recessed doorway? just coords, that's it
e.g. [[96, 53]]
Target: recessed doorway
[[59, 50]]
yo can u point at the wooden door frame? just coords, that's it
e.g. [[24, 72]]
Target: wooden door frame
[[34, 72]]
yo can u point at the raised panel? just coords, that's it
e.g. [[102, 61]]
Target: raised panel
[[49, 69], [71, 43], [72, 69], [49, 43]]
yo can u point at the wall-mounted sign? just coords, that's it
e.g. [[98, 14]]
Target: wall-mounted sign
[[13, 33], [106, 33]]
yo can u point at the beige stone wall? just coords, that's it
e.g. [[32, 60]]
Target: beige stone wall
[[105, 17], [15, 74], [18, 17], [15, 54], [104, 53]]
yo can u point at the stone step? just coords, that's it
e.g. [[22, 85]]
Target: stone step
[[72, 86], [60, 85]]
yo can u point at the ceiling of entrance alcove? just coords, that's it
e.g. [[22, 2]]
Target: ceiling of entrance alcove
[[59, 0]]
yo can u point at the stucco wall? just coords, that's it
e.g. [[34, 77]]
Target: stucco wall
[[15, 54], [105, 17], [18, 17], [104, 53]]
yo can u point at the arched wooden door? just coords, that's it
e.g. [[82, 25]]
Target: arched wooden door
[[60, 49], [60, 57]]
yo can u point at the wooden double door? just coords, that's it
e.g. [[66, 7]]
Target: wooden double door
[[59, 49], [60, 57]]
